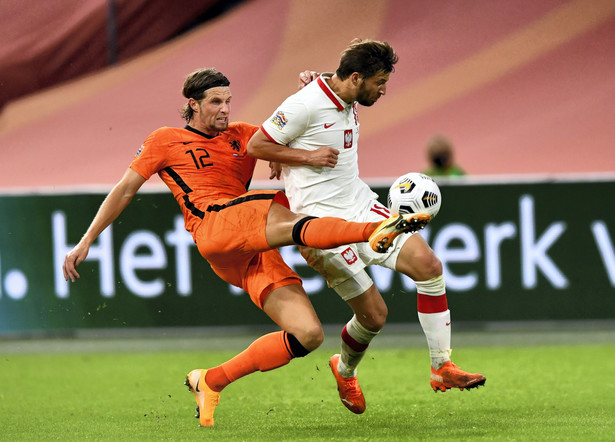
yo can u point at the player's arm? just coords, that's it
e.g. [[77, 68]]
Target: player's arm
[[261, 147], [115, 202], [305, 78]]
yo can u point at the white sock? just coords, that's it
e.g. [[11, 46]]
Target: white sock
[[355, 340], [436, 324], [437, 329]]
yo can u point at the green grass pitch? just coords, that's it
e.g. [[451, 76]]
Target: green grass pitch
[[552, 392]]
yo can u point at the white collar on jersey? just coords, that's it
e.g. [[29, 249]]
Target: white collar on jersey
[[339, 103]]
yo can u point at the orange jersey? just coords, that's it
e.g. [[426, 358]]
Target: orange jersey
[[198, 169]]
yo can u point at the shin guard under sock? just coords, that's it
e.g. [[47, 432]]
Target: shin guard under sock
[[330, 232], [266, 353]]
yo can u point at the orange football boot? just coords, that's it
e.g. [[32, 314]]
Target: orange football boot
[[206, 399], [450, 376], [382, 238], [350, 392]]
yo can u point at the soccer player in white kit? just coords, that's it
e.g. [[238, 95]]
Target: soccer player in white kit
[[322, 117]]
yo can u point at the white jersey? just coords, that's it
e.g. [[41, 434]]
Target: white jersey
[[315, 117]]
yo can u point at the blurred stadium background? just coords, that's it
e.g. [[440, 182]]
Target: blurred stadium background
[[524, 89]]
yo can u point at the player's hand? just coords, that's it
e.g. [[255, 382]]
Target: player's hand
[[276, 170], [73, 259], [324, 157], [306, 77]]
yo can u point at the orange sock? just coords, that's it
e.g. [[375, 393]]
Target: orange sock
[[329, 232], [266, 353]]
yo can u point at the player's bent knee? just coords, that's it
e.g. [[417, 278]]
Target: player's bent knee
[[311, 338], [380, 318], [433, 266], [370, 309], [421, 267], [309, 344], [315, 338], [374, 321]]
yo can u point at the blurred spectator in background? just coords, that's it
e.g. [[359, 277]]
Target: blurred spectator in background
[[441, 158]]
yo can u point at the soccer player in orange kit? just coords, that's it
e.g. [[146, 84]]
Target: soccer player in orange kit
[[206, 166]]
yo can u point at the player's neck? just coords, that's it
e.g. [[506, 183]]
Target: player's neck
[[342, 88], [200, 132]]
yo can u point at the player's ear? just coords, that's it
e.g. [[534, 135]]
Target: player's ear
[[194, 104]]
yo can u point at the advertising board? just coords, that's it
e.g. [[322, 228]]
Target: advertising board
[[540, 250]]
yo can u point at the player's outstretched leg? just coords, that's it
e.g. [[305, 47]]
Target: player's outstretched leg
[[206, 399], [349, 389], [450, 376], [382, 238]]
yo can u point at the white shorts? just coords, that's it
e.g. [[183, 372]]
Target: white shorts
[[344, 267]]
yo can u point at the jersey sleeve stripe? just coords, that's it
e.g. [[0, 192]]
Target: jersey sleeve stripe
[[269, 136]]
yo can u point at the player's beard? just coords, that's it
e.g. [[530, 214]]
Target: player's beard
[[364, 98]]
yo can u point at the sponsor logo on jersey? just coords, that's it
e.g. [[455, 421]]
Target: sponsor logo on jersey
[[347, 138], [140, 150], [349, 256], [328, 125], [279, 120]]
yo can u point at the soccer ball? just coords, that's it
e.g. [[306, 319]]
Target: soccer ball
[[415, 193]]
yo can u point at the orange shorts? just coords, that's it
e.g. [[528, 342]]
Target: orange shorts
[[232, 239]]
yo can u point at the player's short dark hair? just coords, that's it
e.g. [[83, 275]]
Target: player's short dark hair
[[196, 85], [367, 57]]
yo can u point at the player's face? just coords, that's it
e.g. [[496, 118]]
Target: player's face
[[372, 88], [213, 111]]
